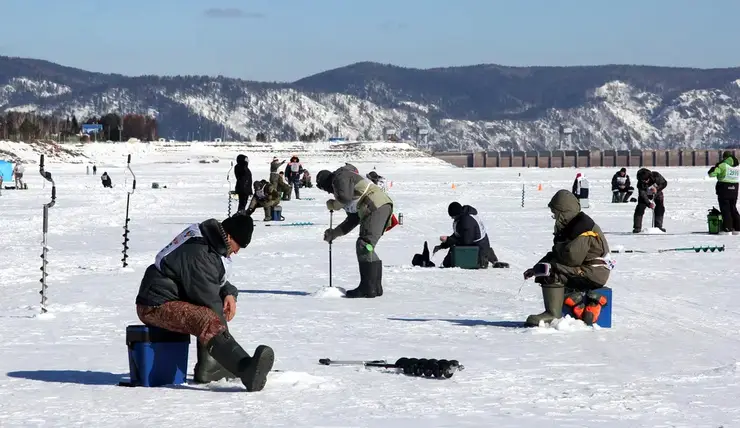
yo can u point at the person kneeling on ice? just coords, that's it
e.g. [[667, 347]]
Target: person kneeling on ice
[[105, 179], [369, 207], [621, 186], [265, 196], [306, 179], [186, 290], [578, 263], [468, 231]]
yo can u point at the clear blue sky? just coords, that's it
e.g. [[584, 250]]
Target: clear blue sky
[[285, 40]]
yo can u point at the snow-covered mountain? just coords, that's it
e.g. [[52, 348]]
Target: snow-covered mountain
[[482, 107]]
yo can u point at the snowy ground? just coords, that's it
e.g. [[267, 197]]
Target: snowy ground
[[671, 359]]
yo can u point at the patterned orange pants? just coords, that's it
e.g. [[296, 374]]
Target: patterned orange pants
[[183, 317]]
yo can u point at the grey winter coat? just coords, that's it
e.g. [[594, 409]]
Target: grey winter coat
[[193, 268]]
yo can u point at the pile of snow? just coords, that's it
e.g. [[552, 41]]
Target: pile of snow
[[30, 152]]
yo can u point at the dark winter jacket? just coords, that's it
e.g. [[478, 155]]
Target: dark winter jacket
[[468, 230], [579, 246], [243, 176], [726, 173], [647, 179], [621, 182], [265, 195], [293, 171], [192, 268]]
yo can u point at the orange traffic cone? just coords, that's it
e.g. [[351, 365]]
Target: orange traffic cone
[[539, 187]]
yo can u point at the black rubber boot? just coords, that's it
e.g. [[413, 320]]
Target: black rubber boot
[[376, 278], [365, 289], [658, 222], [553, 296], [208, 369], [251, 370], [637, 224]]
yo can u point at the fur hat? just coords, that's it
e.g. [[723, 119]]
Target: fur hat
[[240, 228]]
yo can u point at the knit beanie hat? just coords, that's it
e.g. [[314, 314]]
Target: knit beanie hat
[[240, 228], [455, 209], [324, 179]]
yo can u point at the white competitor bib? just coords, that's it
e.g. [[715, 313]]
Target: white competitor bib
[[481, 227], [227, 269], [189, 232], [732, 175], [351, 208], [610, 263], [295, 167]]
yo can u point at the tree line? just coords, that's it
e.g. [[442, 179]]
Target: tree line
[[28, 126]]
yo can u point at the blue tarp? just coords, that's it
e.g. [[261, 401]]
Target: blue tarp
[[6, 170]]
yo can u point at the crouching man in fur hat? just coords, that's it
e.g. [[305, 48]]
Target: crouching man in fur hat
[[186, 291]]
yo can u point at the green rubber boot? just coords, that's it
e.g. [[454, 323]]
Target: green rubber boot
[[552, 295]]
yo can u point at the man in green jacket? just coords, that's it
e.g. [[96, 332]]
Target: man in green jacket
[[727, 173], [265, 196], [578, 263], [369, 207], [275, 180]]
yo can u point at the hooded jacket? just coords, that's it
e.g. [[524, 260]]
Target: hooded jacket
[[359, 195], [243, 176], [579, 247], [293, 170], [647, 179], [621, 182], [192, 268], [265, 195], [727, 173], [467, 229]]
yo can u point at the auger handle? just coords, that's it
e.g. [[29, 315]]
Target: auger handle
[[128, 166], [47, 177]]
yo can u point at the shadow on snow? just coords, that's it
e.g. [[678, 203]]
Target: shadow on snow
[[467, 322], [70, 376], [277, 292]]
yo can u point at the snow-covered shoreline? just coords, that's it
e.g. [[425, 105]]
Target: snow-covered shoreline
[[160, 151]]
